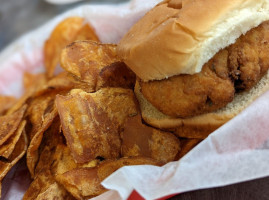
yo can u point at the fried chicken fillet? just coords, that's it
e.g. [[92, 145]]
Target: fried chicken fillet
[[234, 69]]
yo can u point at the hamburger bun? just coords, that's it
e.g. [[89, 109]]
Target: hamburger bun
[[180, 36]]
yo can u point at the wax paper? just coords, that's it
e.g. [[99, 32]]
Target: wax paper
[[238, 151]]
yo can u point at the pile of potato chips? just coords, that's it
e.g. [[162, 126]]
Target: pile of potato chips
[[81, 125]]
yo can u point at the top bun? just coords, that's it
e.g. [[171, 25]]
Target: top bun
[[180, 36]]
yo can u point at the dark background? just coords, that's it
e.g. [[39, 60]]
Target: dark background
[[19, 16]]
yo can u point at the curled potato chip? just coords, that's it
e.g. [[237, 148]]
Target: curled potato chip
[[32, 82], [38, 109], [6, 102], [67, 31], [88, 130], [9, 124], [97, 64], [91, 121], [55, 192], [16, 155], [86, 182], [141, 140], [44, 187], [63, 82], [63, 161], [51, 139], [32, 151], [7, 148]]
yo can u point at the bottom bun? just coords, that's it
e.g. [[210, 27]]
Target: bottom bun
[[202, 125]]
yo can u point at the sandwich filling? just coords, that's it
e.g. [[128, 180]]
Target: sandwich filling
[[232, 70]]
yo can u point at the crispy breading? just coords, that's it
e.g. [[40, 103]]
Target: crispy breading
[[236, 68]]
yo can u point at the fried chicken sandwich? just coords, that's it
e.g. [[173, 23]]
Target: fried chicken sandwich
[[198, 62]]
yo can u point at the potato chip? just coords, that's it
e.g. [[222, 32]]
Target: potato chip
[[32, 82], [51, 139], [63, 161], [88, 130], [38, 109], [116, 75], [91, 121], [187, 145], [41, 182], [97, 64], [55, 192], [86, 32], [118, 103], [6, 102], [63, 82], [141, 140], [7, 148], [16, 155], [32, 152], [82, 183], [67, 31], [86, 182], [9, 124]]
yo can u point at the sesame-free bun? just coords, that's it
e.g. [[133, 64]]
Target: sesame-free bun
[[180, 36]]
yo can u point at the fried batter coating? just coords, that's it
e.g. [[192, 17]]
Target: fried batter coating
[[236, 68]]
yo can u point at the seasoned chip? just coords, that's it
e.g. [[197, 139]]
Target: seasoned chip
[[118, 103], [86, 182], [141, 140], [63, 161], [82, 183], [44, 187], [186, 145], [88, 130], [116, 75], [38, 109], [97, 64], [32, 82], [91, 121], [6, 102], [67, 31], [16, 155], [32, 152], [51, 139], [55, 192], [64, 82], [9, 123], [7, 148]]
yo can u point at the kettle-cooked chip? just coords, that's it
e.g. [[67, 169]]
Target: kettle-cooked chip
[[32, 151], [44, 187], [63, 82], [63, 161], [38, 110], [97, 64], [141, 140], [52, 137], [88, 130], [6, 102], [86, 182], [7, 148], [16, 155], [32, 82], [9, 123], [82, 183], [55, 192], [67, 31], [91, 122]]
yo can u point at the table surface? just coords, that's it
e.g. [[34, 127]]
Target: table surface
[[19, 16]]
